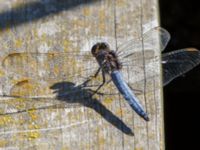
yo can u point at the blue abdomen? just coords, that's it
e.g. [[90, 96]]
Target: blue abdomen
[[127, 93]]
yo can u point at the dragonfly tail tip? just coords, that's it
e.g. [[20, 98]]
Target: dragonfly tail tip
[[146, 118]]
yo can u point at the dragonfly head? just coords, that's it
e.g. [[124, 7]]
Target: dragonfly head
[[99, 47]]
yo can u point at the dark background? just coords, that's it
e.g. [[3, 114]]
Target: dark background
[[182, 19]]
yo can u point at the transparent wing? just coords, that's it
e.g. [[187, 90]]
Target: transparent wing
[[48, 65], [31, 79], [155, 39], [140, 58], [46, 81], [50, 80], [178, 62], [31, 75]]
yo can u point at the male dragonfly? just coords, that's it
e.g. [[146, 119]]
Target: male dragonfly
[[111, 62]]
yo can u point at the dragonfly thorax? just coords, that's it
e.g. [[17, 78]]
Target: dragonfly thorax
[[105, 57]]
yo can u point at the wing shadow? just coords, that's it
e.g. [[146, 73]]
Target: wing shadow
[[84, 97]]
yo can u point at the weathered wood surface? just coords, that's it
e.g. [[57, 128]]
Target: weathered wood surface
[[50, 121]]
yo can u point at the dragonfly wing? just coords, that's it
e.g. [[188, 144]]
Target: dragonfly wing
[[155, 39], [140, 57], [34, 73], [53, 63], [178, 62], [137, 72], [36, 81], [39, 71]]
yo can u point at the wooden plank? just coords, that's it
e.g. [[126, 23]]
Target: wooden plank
[[43, 55]]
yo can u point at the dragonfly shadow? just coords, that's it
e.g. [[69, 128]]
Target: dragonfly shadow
[[32, 11], [69, 93]]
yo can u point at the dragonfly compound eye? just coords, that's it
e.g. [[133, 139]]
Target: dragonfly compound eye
[[104, 45], [99, 46], [95, 49]]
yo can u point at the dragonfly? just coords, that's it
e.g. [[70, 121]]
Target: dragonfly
[[109, 64], [114, 63]]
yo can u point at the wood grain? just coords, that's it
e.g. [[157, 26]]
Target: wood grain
[[45, 57]]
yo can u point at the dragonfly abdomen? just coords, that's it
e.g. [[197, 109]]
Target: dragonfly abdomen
[[127, 93]]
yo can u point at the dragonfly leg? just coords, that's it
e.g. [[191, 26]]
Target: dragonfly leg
[[96, 74], [104, 81]]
